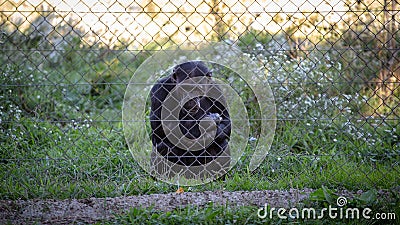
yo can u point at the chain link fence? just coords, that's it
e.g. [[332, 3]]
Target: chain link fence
[[333, 68]]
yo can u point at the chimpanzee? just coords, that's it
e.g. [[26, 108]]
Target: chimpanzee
[[191, 112]]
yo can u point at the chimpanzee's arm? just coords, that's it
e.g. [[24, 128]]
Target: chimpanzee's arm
[[212, 106], [224, 126], [158, 94]]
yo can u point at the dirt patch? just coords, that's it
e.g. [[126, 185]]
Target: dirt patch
[[95, 209]]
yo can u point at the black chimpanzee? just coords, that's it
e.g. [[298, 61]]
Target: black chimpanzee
[[193, 110]]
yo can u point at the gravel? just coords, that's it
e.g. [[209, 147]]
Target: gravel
[[95, 209], [90, 210]]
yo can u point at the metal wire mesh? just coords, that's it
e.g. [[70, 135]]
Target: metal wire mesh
[[333, 67]]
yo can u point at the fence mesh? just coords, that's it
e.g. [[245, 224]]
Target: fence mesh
[[333, 68]]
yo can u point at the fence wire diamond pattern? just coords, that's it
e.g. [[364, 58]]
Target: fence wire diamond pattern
[[333, 68]]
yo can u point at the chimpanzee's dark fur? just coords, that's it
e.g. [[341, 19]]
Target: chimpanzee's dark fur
[[192, 112]]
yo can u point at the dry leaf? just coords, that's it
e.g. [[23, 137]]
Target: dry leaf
[[180, 190]]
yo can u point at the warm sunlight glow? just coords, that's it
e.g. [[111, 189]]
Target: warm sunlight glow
[[112, 22]]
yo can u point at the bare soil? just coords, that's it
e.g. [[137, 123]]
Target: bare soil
[[91, 210]]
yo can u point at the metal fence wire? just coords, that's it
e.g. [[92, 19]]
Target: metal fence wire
[[333, 68]]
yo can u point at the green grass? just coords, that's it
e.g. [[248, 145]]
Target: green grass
[[208, 214], [46, 161]]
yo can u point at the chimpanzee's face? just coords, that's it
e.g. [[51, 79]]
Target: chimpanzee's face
[[192, 106], [198, 87]]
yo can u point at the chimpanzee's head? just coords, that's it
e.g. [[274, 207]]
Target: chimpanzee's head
[[189, 70]]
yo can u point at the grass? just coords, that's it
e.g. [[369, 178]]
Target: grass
[[192, 215], [48, 162]]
